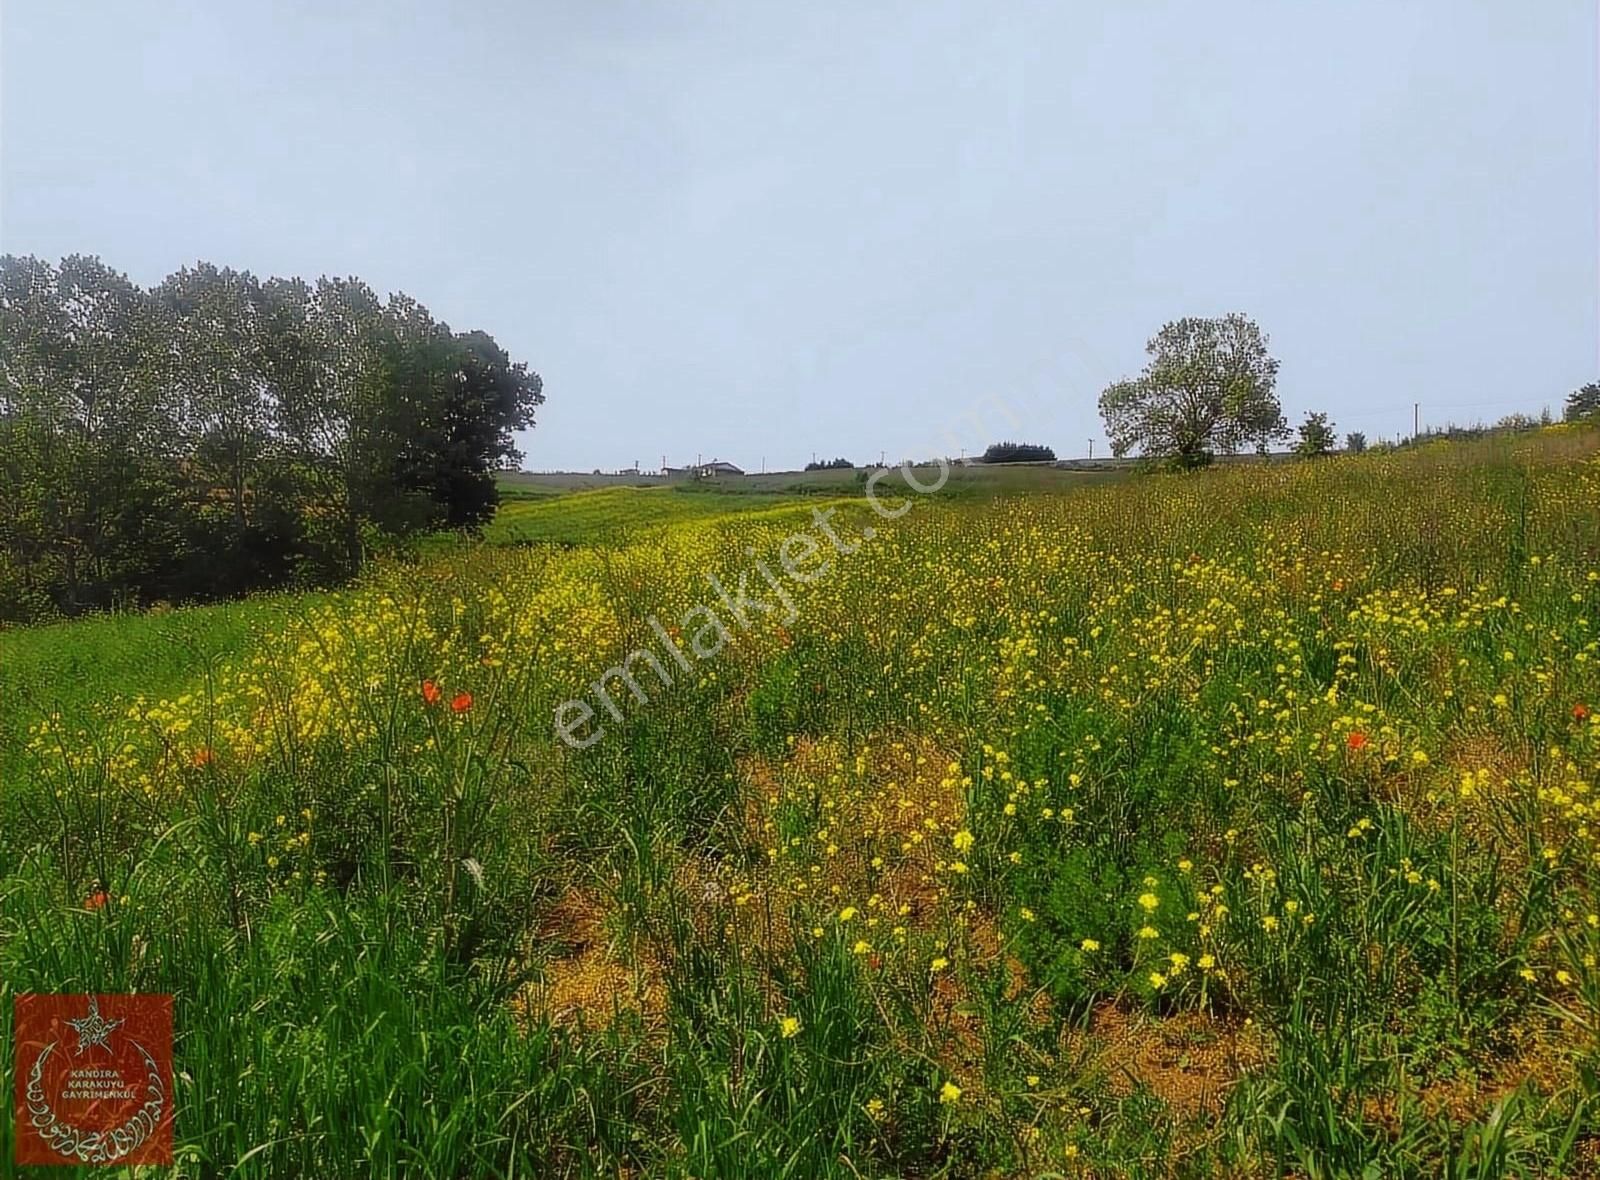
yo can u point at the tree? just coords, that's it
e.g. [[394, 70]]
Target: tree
[[1583, 403], [329, 409], [33, 460], [413, 450], [1316, 437], [487, 398], [81, 359], [226, 410], [1355, 442], [1208, 387]]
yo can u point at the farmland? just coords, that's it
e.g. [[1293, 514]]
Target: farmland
[[1231, 823], [612, 514]]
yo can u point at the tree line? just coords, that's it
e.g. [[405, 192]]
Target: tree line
[[218, 433], [1012, 452]]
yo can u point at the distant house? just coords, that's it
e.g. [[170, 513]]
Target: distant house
[[703, 471]]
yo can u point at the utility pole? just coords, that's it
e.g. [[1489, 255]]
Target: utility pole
[[1416, 419], [1091, 448]]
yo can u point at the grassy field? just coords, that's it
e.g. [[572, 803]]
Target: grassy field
[[573, 510], [976, 479], [1231, 824], [610, 515], [73, 670]]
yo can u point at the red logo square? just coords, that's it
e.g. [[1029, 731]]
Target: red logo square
[[94, 1079]]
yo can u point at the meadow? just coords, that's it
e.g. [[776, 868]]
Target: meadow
[[1237, 823]]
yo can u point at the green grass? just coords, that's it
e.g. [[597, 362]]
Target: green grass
[[610, 515], [77, 668]]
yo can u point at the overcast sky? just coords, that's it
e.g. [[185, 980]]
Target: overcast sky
[[755, 230]]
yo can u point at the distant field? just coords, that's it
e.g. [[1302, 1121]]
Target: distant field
[[598, 517], [573, 509], [835, 482]]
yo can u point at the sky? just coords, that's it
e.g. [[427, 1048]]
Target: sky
[[762, 231]]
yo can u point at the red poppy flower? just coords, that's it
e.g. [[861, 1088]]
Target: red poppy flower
[[204, 756], [1338, 585], [1357, 740], [1580, 711], [461, 702], [96, 900], [430, 693]]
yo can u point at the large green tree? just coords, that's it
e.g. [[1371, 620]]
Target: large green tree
[[489, 397], [1209, 387]]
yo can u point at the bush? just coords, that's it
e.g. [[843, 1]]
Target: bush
[[1517, 423]]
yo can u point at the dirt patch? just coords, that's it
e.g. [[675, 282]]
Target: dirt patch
[[1189, 1060], [589, 981], [1543, 1064]]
